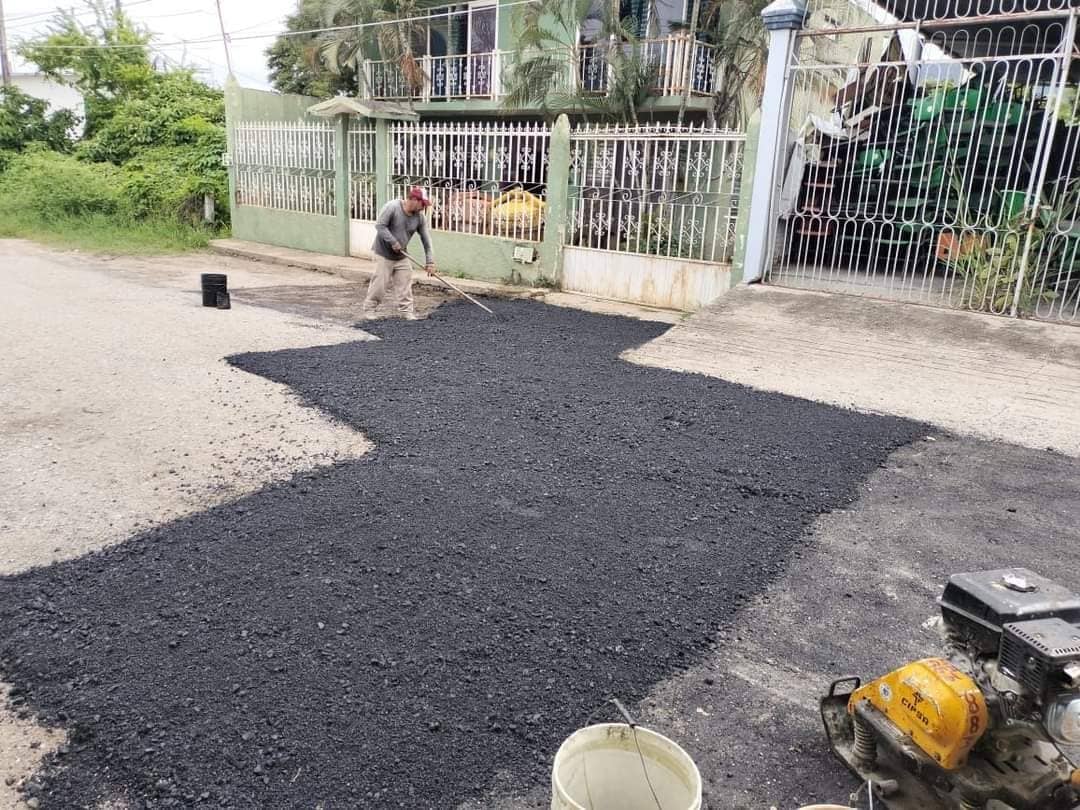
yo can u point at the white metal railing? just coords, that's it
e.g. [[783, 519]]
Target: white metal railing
[[680, 63], [285, 165], [362, 181], [444, 78], [853, 13], [488, 179], [656, 190]]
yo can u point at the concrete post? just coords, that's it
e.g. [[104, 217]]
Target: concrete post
[[382, 163], [782, 18], [746, 186], [342, 191], [558, 194]]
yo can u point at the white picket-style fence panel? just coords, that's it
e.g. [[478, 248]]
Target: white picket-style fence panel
[[655, 190], [285, 165], [362, 180], [488, 179]]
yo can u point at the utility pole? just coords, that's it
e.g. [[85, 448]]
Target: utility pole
[[224, 38], [5, 63]]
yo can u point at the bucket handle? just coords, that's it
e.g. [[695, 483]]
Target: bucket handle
[[619, 707], [632, 723], [622, 710]]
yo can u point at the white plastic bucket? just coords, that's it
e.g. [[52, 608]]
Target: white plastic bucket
[[598, 768]]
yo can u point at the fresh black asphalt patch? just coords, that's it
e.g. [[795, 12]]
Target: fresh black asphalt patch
[[540, 526]]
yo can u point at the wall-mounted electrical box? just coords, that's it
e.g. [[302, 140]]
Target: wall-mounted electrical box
[[525, 254]]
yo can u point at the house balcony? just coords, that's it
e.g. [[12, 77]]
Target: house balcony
[[680, 63]]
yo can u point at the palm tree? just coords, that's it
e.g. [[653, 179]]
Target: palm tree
[[388, 26], [547, 68], [735, 28]]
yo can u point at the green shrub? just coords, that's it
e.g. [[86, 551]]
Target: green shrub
[[25, 120], [52, 185], [174, 109], [169, 182]]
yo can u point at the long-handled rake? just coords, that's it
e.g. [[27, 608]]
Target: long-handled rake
[[458, 290]]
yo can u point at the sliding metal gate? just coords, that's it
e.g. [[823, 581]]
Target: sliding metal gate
[[934, 155]]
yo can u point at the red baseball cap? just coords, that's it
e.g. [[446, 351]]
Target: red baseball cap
[[420, 195]]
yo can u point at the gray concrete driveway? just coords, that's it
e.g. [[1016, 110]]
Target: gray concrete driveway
[[977, 375]]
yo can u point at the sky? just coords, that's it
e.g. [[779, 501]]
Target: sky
[[174, 22]]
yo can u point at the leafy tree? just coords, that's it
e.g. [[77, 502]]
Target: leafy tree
[[173, 109], [25, 119], [390, 28], [294, 63], [742, 52], [87, 56], [157, 137], [546, 70]]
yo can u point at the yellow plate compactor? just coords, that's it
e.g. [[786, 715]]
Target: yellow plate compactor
[[992, 724]]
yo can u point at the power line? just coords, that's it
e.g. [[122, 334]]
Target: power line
[[351, 27], [30, 27], [256, 25], [53, 12]]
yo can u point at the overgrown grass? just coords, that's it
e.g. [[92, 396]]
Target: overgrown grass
[[147, 206], [100, 233]]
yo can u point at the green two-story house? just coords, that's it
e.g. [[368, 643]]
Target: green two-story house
[[463, 59]]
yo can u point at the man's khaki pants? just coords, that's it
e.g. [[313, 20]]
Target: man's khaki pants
[[394, 275]]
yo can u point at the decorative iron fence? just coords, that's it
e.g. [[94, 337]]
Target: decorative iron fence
[[934, 157], [656, 191], [488, 179], [289, 166], [362, 180]]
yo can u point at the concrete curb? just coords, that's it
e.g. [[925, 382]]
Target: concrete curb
[[356, 269]]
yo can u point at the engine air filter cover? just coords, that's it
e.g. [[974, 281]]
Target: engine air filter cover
[[977, 605]]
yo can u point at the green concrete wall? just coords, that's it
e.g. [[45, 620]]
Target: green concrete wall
[[242, 104], [488, 258], [272, 226]]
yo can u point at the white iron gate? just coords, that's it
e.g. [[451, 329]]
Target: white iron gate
[[934, 156], [652, 213]]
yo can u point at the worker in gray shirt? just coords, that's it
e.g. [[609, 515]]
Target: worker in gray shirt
[[397, 223]]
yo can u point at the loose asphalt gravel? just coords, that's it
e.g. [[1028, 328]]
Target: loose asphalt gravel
[[540, 526]]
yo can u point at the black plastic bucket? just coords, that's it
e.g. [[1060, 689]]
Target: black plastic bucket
[[212, 284]]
